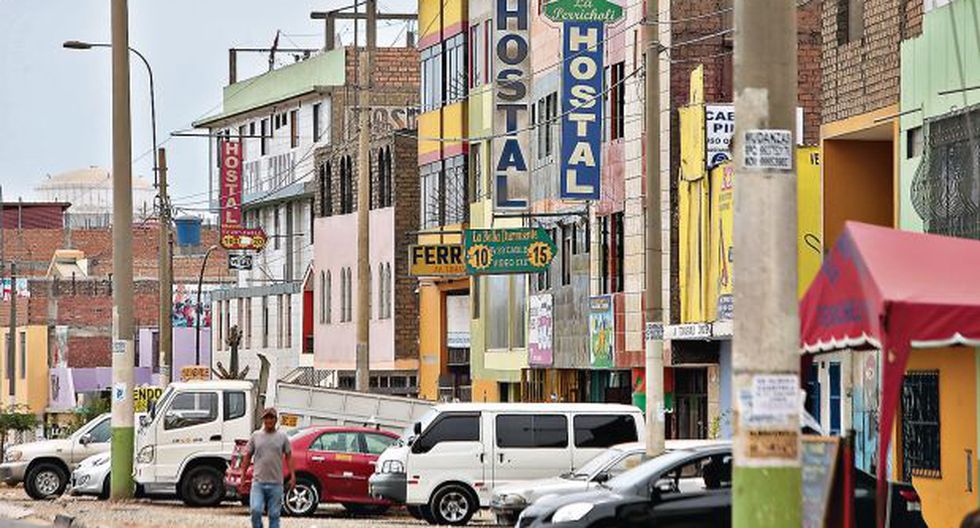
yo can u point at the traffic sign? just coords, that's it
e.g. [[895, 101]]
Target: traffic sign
[[243, 238], [583, 11], [436, 260], [239, 262], [500, 251]]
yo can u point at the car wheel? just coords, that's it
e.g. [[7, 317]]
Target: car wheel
[[203, 486], [45, 481], [104, 494], [365, 509], [301, 499], [453, 505]]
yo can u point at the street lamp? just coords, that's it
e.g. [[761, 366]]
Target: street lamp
[[197, 308], [80, 45]]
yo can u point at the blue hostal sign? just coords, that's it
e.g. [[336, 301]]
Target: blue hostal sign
[[581, 106]]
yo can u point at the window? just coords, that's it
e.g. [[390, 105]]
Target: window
[[813, 392], [618, 253], [279, 321], [449, 428], [476, 55], [547, 119], [336, 442], [487, 44], [375, 444], [476, 173], [287, 322], [432, 77], [914, 142], [265, 322], [617, 100], [596, 430], [833, 373], [276, 227], [191, 408], [323, 297], [386, 198], [101, 432], [625, 464], [456, 206], [326, 190], [248, 323], [707, 473], [328, 299], [430, 176], [850, 21], [346, 185], [534, 431], [566, 255], [264, 140], [455, 68], [234, 405], [316, 122], [920, 425], [506, 295], [381, 291], [23, 355]]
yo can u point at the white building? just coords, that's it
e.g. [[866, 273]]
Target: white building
[[89, 191]]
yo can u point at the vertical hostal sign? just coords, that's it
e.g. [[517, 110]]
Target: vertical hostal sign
[[510, 98], [230, 194]]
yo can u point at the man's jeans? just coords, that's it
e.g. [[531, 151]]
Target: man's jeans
[[265, 497]]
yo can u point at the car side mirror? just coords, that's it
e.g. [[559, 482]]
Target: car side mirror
[[664, 485], [602, 477], [144, 421], [417, 428], [85, 439]]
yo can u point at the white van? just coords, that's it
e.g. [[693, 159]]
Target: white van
[[446, 467]]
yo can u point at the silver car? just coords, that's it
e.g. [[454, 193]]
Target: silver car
[[91, 477], [508, 501]]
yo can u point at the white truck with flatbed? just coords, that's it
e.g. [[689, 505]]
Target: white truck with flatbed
[[184, 445]]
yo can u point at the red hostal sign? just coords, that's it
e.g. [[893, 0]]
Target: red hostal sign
[[230, 194]]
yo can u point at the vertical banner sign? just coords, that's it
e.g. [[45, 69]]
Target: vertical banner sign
[[601, 331], [581, 107], [540, 330], [230, 194], [510, 99]]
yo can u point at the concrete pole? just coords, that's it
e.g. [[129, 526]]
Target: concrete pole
[[767, 478], [363, 377], [165, 265], [122, 260], [653, 296]]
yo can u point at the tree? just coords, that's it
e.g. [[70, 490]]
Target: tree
[[15, 419]]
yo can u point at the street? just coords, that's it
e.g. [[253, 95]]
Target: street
[[144, 513]]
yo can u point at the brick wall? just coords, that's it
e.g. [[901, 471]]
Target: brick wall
[[863, 75]]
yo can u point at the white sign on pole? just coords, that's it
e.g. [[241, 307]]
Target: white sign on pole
[[775, 395], [719, 127], [768, 149]]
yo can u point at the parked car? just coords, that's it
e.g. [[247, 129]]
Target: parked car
[[332, 465], [689, 487], [458, 452], [91, 477], [45, 466], [509, 501]]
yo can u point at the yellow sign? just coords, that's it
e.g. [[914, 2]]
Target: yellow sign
[[142, 396], [539, 254], [195, 373], [288, 420], [436, 260]]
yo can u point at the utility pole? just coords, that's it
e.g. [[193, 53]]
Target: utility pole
[[767, 487], [122, 260], [363, 376], [654, 305], [165, 264]]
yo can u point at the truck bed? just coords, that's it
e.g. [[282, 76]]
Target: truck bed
[[322, 406]]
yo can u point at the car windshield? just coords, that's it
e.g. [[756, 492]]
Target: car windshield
[[640, 475], [594, 466]]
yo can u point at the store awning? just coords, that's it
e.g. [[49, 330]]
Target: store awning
[[893, 291]]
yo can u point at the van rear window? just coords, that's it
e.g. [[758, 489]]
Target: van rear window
[[604, 430], [532, 431]]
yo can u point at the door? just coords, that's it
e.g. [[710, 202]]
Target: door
[[693, 494], [236, 419], [451, 448], [371, 446], [332, 458], [190, 425], [529, 446], [97, 439]]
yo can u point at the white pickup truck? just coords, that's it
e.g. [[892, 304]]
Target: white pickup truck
[[185, 443]]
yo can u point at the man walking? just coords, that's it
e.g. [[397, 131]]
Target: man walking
[[267, 447]]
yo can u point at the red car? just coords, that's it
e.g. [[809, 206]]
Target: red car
[[332, 465]]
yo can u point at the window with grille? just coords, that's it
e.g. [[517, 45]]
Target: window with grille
[[920, 425], [456, 73]]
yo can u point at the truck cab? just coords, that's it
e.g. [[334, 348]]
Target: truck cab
[[185, 443]]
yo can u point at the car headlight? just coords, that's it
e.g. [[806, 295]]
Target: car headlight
[[571, 512], [101, 461], [392, 466], [145, 456], [13, 455]]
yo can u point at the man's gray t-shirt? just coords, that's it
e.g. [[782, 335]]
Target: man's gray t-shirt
[[267, 450]]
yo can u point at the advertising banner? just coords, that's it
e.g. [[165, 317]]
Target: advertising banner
[[510, 101], [183, 313], [230, 193], [581, 106], [720, 260], [436, 260], [500, 251], [719, 126], [540, 330], [601, 331], [143, 395]]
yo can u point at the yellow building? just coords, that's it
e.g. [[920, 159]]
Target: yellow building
[[30, 368]]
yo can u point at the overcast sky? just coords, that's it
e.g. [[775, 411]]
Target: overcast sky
[[55, 103]]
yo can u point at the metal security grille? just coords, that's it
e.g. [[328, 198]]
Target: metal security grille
[[920, 425], [946, 186]]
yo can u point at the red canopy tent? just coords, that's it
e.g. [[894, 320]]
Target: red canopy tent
[[893, 291]]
